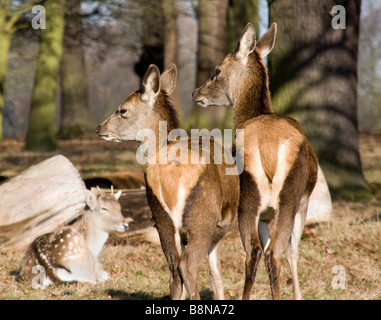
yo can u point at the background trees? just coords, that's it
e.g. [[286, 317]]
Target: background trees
[[9, 16], [41, 133], [75, 118], [313, 77], [108, 44]]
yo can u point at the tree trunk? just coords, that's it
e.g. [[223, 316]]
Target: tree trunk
[[369, 87], [39, 200], [170, 43], [6, 32], [75, 114], [41, 132], [152, 35], [212, 16], [5, 41], [240, 12], [8, 17], [313, 78]]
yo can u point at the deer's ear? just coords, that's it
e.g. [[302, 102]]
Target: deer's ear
[[151, 83], [91, 200], [266, 43], [246, 43], [118, 194], [168, 79]]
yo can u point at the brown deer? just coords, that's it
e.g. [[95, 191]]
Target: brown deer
[[71, 253], [280, 167], [193, 205]]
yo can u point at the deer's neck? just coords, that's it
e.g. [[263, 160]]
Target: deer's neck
[[93, 236], [165, 119], [253, 96]]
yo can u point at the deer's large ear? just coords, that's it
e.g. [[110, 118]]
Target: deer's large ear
[[246, 43], [151, 83], [168, 79], [266, 43], [118, 194], [91, 200]]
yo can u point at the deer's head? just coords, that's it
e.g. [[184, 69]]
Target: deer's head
[[141, 108], [223, 87], [106, 212]]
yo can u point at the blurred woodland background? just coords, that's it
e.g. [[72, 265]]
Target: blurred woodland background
[[61, 81]]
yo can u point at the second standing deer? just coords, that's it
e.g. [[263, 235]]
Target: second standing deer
[[280, 169], [193, 205]]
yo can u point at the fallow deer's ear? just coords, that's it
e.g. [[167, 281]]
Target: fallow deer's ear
[[168, 79], [118, 194], [91, 199], [246, 43], [151, 83], [266, 43]]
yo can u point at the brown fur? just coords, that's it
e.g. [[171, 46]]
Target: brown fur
[[280, 166], [193, 205]]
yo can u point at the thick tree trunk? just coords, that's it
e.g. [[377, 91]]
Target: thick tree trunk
[[5, 41], [39, 200], [313, 78], [170, 43], [240, 12], [41, 131], [211, 51], [75, 114]]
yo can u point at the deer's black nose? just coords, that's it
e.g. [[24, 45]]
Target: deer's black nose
[[97, 129]]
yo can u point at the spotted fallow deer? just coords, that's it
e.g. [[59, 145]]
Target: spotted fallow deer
[[280, 168], [193, 205], [71, 253]]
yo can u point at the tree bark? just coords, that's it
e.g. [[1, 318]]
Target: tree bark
[[170, 43], [240, 12], [39, 200], [41, 133], [8, 18], [5, 41], [212, 16], [75, 115], [313, 78]]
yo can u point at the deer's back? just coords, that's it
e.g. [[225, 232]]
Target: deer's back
[[273, 143], [52, 251], [173, 183]]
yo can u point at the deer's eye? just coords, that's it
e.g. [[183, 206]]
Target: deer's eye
[[217, 73], [104, 210], [123, 112]]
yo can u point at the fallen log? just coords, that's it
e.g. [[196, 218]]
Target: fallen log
[[39, 200], [52, 193]]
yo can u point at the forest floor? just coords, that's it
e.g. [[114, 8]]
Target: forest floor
[[339, 259]]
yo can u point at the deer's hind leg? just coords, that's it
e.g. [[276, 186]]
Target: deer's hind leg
[[292, 251], [248, 226], [167, 234], [287, 228], [77, 267], [201, 230]]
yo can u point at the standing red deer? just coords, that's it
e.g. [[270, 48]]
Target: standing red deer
[[193, 205], [280, 169]]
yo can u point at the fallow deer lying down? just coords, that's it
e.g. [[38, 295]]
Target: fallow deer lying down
[[280, 167], [193, 205], [71, 253]]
